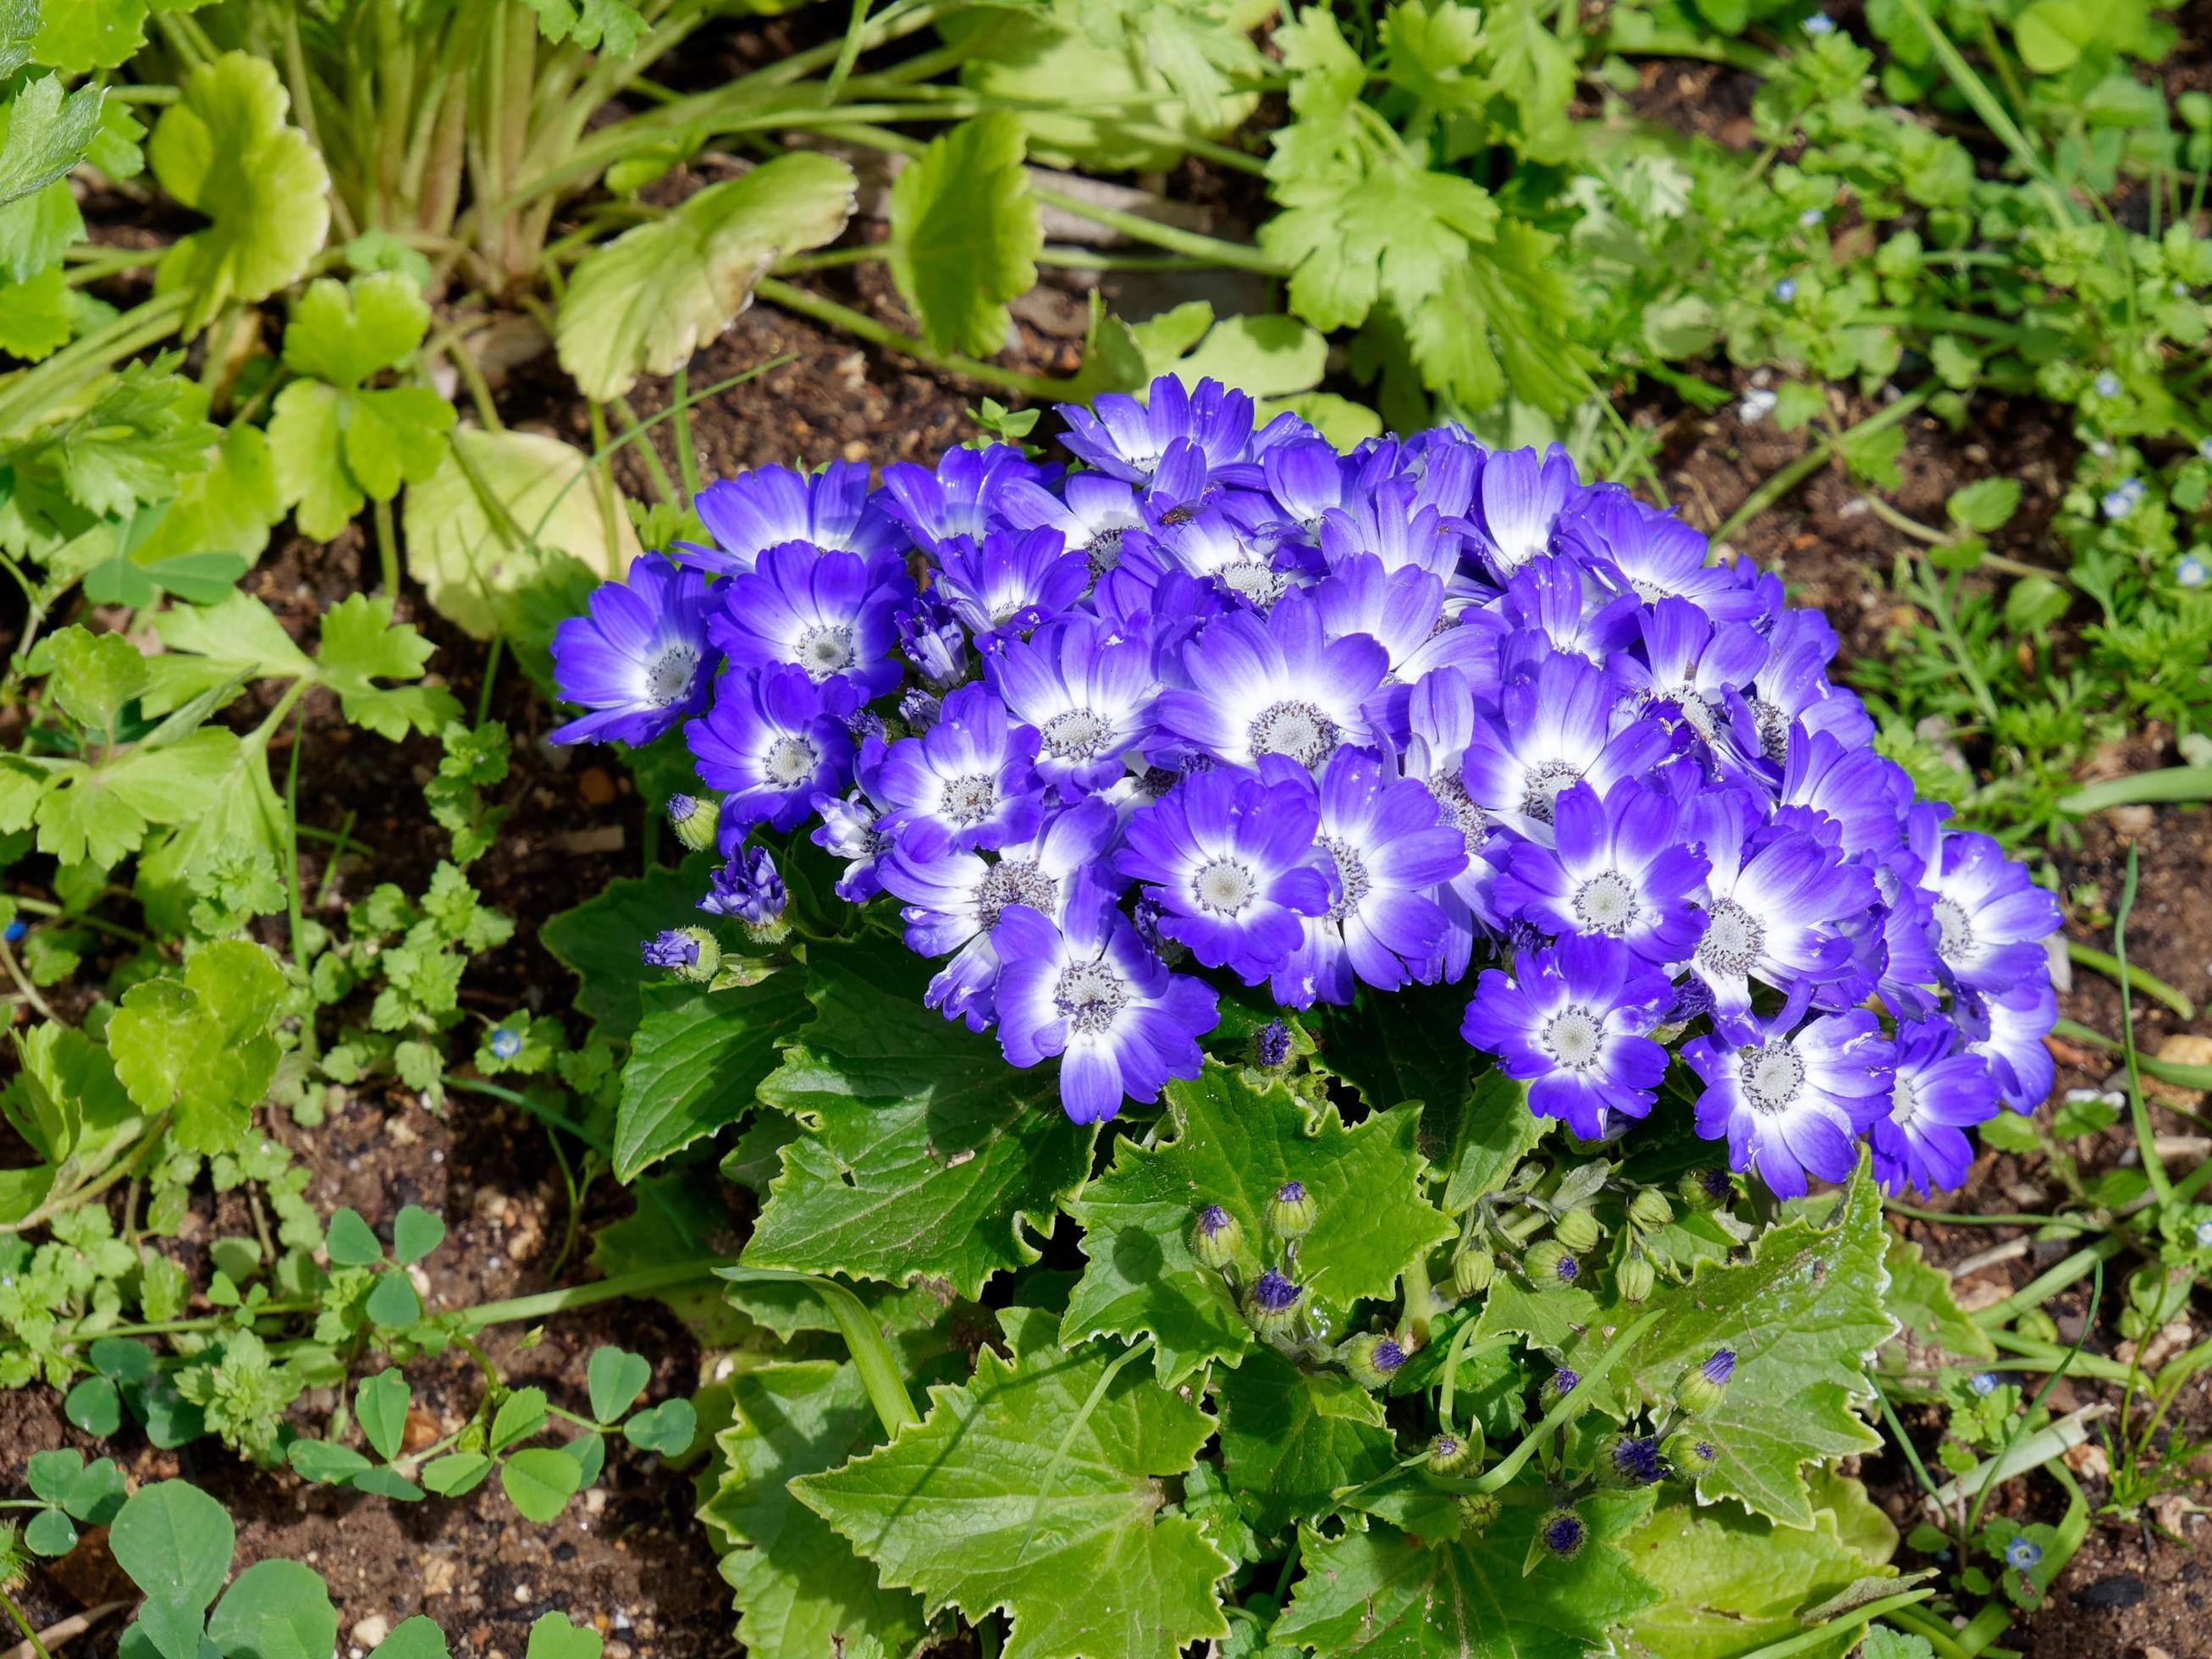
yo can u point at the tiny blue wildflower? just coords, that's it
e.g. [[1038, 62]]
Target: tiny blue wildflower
[[2108, 384], [2022, 1554], [507, 1041], [2122, 498], [1983, 1382], [1786, 289], [2203, 1233], [2190, 572], [14, 929], [1810, 217], [1820, 23]]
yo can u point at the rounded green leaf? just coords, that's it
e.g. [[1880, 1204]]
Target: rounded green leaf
[[540, 1480], [614, 1378], [172, 1537], [381, 1403], [350, 1241], [50, 1532], [415, 1232], [276, 1610], [93, 1406]]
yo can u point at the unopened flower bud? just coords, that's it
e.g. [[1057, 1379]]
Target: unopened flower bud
[[2037, 1326], [1272, 1302], [1477, 1510], [1702, 1386], [1372, 1360], [1636, 1460], [1271, 1044], [1473, 1270], [690, 951], [1577, 1229], [1561, 1383], [1216, 1237], [1290, 1211], [1549, 1267], [1562, 1533], [1650, 1211], [695, 818], [1689, 1453], [1456, 1453], [1706, 1188], [1636, 1278]]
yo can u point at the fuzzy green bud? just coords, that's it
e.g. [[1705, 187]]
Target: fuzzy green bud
[[1689, 1453], [1216, 1237], [1705, 1189], [1549, 1267], [1702, 1386], [694, 819], [1456, 1453], [1372, 1360], [1473, 1269], [691, 952], [2037, 1326], [1650, 1211], [1290, 1211], [1577, 1229], [1636, 1278], [1273, 1301], [1477, 1510]]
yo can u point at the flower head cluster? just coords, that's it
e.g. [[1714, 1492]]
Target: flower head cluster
[[1224, 705]]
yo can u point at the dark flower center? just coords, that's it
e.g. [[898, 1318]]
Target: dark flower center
[[1352, 880]]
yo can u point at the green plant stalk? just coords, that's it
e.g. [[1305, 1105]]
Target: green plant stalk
[[1937, 1634], [867, 328], [2138, 1108], [1508, 1466], [2171, 783], [1788, 477], [1856, 1618], [34, 391], [872, 1356], [2113, 968], [1998, 1469], [2166, 1070], [1984, 103], [687, 456]]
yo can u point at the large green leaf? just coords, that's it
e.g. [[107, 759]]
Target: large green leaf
[[1803, 1316], [1929, 1318], [928, 1154], [1734, 1582], [798, 1585], [598, 941], [1381, 1593], [1240, 1137], [224, 150], [696, 1060], [645, 302], [965, 233], [1290, 1439], [275, 1610], [1034, 1487]]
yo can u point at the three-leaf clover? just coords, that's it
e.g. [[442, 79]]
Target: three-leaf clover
[[73, 1492]]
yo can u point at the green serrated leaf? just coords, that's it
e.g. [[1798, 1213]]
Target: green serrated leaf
[[362, 645], [1919, 1299], [223, 148], [1036, 1476], [47, 132], [1290, 1439], [1239, 1138], [645, 302], [610, 26], [200, 1047], [697, 1060], [965, 233], [927, 1154], [599, 939], [1378, 1592]]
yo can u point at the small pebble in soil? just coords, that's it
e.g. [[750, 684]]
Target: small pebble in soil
[[2122, 1590], [371, 1631], [523, 1592]]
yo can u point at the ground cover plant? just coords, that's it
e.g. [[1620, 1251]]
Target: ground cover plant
[[1074, 828]]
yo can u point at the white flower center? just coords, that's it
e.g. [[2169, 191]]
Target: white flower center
[[1772, 1076], [1697, 713], [1542, 788], [1297, 729], [1460, 811], [1225, 886], [1105, 550], [1077, 734], [1262, 584], [1607, 903], [668, 678], [1573, 1037], [1014, 881], [1955, 933], [968, 799], [1089, 995], [1904, 1102], [1351, 877], [789, 760], [1733, 939], [1773, 729], [825, 650]]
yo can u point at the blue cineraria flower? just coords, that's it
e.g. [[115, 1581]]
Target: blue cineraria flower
[[771, 743], [1088, 694], [1854, 799], [1941, 1091], [1774, 903], [1092, 515], [1518, 498], [1552, 726], [1580, 617], [1617, 867], [748, 887], [973, 773], [1305, 479], [850, 830], [1229, 860], [1440, 718], [1792, 690], [641, 662], [1387, 847], [1572, 1023], [1394, 528], [954, 897], [1212, 546], [1990, 918], [828, 613], [2007, 1028], [674, 948], [1690, 668], [1648, 552], [1790, 1098], [959, 498], [932, 639], [755, 511], [1637, 1460], [1010, 583], [1273, 685], [1127, 439], [1091, 992]]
